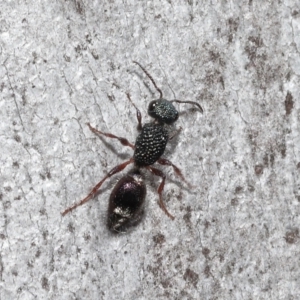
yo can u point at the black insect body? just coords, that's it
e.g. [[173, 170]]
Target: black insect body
[[150, 144], [126, 202], [127, 198]]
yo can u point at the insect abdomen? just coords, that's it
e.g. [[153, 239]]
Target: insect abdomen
[[126, 202]]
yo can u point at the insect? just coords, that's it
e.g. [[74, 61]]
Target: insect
[[126, 203]]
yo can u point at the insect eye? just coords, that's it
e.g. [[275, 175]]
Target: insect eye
[[152, 105]]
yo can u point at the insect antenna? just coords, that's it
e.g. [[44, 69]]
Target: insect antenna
[[150, 77], [189, 102]]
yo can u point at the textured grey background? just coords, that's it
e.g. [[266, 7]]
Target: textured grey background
[[64, 63]]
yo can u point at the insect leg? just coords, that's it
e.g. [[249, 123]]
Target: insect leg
[[123, 141], [113, 171], [159, 173], [138, 112], [166, 162]]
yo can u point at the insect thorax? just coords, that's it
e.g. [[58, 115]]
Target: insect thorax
[[150, 144]]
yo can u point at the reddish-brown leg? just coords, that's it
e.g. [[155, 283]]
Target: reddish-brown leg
[[160, 189], [113, 171], [166, 162], [138, 112], [123, 141], [174, 133]]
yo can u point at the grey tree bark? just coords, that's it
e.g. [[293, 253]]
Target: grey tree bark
[[66, 63]]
